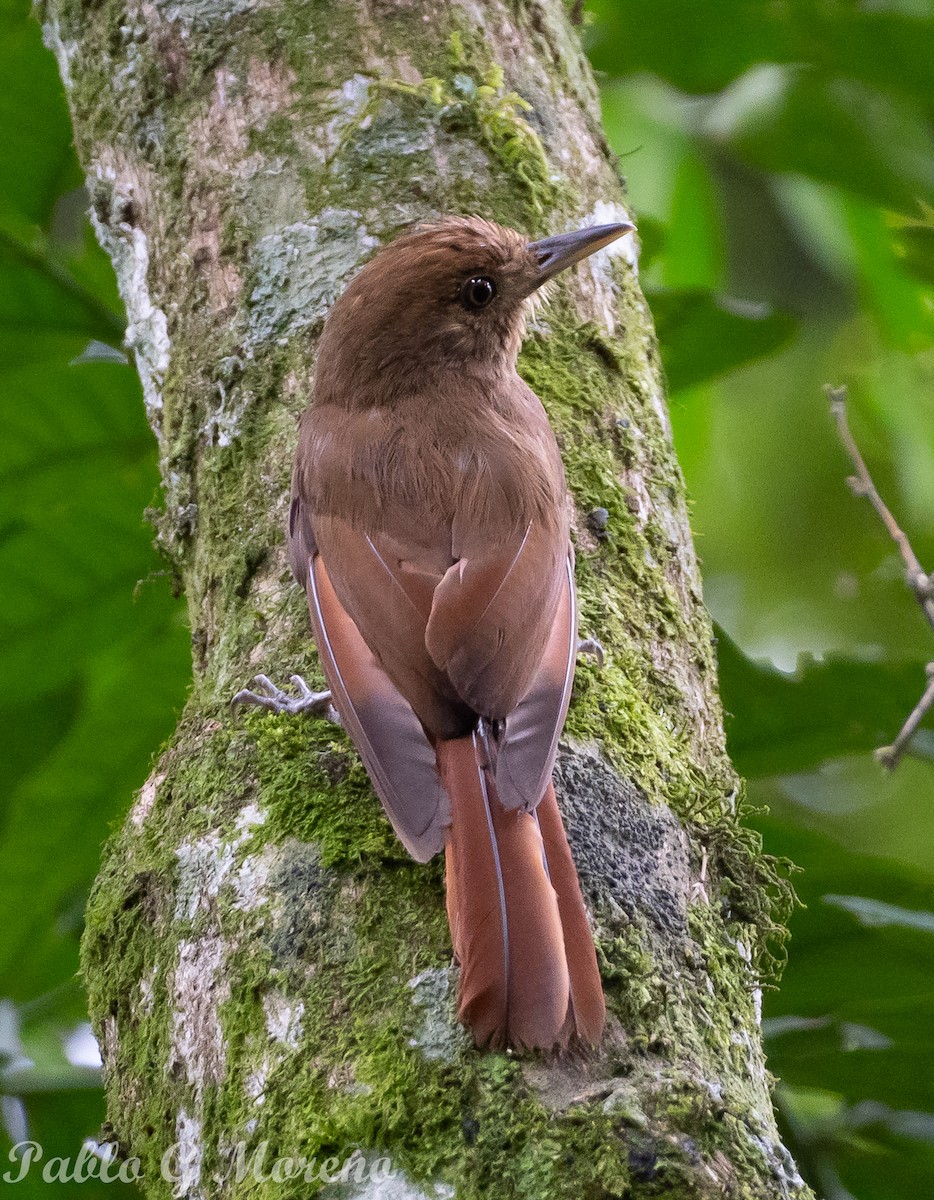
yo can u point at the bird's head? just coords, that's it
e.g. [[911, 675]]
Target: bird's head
[[447, 297]]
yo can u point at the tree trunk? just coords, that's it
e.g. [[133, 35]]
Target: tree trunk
[[266, 968]]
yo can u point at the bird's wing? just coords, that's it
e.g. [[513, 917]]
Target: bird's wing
[[391, 740], [492, 615], [473, 637], [527, 743], [386, 589]]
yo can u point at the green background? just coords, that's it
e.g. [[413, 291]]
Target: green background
[[780, 159]]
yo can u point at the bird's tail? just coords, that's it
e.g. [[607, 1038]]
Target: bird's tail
[[529, 976]]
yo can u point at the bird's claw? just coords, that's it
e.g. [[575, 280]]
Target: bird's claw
[[592, 647], [278, 701]]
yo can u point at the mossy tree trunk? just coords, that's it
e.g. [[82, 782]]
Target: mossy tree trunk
[[265, 966]]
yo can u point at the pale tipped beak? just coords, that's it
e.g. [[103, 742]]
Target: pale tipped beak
[[554, 254]]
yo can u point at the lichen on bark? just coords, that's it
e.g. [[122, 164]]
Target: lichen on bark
[[265, 966]]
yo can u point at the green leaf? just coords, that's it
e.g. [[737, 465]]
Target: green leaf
[[797, 120], [703, 336], [887, 49], [94, 656], [779, 723], [686, 44], [59, 1121], [877, 914], [44, 312], [914, 242], [867, 1149], [854, 1018], [37, 162]]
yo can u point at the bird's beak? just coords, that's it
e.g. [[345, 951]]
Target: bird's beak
[[554, 254]]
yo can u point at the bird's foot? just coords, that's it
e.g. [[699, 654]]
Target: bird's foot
[[592, 647], [276, 700]]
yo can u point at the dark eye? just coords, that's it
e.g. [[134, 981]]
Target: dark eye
[[477, 292]]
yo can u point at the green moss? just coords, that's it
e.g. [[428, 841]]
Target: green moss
[[391, 144], [304, 766], [634, 986], [321, 45], [478, 96]]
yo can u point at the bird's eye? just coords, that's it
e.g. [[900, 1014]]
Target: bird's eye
[[477, 292]]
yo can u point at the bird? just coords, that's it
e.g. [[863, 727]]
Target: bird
[[429, 525]]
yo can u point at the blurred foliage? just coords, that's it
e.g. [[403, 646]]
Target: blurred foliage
[[94, 655], [780, 159]]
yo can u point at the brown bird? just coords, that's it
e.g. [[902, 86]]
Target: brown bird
[[429, 527]]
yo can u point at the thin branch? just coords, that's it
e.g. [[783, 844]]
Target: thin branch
[[861, 484], [920, 582], [889, 755]]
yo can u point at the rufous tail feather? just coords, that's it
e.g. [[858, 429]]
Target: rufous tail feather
[[587, 1002], [529, 976]]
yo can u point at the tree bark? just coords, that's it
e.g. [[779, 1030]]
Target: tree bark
[[265, 967]]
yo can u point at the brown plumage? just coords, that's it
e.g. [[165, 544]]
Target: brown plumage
[[428, 524]]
